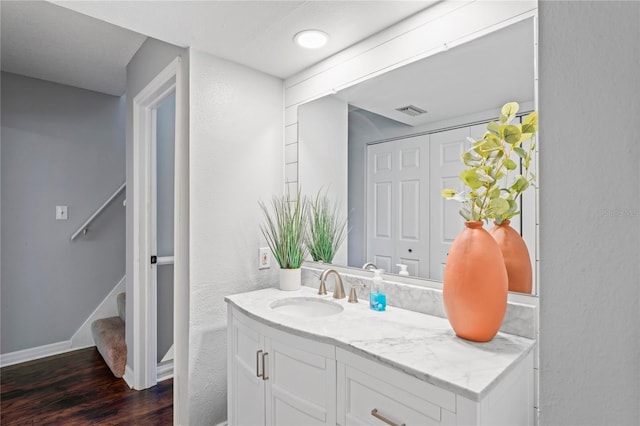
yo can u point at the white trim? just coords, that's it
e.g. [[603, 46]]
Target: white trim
[[107, 308], [144, 292], [128, 376], [165, 260], [181, 286], [38, 352], [164, 371]]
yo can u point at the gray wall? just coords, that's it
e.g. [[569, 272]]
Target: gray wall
[[590, 213], [60, 146]]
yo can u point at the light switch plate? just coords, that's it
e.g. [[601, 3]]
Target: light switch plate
[[61, 213]]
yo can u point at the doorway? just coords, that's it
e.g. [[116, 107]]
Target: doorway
[[163, 194], [159, 237]]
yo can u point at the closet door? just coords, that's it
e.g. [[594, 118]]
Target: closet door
[[380, 201], [445, 221], [412, 205], [398, 205]]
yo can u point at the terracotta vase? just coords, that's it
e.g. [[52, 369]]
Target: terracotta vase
[[516, 257], [475, 284]]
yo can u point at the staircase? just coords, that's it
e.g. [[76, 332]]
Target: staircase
[[108, 334]]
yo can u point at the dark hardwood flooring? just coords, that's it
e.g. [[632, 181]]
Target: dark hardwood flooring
[[77, 388]]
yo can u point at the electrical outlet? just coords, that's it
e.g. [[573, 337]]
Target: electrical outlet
[[264, 261], [61, 213]]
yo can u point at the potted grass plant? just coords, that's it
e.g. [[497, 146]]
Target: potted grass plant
[[284, 229], [476, 278], [326, 229]]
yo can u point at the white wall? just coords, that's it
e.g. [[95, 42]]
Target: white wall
[[589, 213], [236, 159], [322, 156]]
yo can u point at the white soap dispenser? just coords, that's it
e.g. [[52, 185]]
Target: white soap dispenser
[[403, 270]]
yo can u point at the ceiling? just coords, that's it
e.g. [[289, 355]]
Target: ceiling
[[64, 45], [45, 41], [480, 75]]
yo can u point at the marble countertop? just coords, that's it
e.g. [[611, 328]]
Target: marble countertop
[[421, 345]]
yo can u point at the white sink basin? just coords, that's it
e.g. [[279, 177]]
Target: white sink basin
[[306, 307]]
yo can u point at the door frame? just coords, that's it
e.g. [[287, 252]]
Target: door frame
[[144, 301]]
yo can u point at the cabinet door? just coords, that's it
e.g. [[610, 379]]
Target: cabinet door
[[301, 384], [246, 387]]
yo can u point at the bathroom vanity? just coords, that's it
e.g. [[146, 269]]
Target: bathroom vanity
[[297, 358]]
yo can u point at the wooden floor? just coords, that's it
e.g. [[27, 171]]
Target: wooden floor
[[77, 388]]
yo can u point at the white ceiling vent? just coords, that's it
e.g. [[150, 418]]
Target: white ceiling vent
[[411, 110]]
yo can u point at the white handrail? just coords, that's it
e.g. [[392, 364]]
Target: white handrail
[[85, 226]]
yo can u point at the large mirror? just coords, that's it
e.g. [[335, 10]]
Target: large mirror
[[384, 148]]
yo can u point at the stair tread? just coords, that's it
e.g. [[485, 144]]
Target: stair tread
[[109, 336]]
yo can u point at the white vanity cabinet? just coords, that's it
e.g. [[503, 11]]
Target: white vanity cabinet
[[363, 368], [370, 393], [275, 378]]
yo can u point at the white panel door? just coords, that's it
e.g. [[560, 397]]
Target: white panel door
[[380, 202], [445, 221], [412, 205], [398, 205]]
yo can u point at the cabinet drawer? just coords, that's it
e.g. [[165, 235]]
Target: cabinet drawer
[[366, 396], [365, 386]]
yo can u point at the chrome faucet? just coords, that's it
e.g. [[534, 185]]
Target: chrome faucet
[[338, 291], [369, 265]]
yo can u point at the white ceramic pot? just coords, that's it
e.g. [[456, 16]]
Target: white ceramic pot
[[290, 279]]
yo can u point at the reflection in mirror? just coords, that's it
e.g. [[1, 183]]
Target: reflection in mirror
[[387, 146]]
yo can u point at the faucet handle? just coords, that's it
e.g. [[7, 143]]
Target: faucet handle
[[353, 296]]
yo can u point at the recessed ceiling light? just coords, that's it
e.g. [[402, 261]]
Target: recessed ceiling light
[[311, 39]]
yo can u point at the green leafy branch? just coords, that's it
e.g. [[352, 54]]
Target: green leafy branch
[[489, 161]]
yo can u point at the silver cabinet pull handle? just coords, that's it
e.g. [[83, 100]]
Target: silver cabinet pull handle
[[375, 414], [264, 366], [258, 363]]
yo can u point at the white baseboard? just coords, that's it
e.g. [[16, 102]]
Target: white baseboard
[[128, 376], [107, 308], [38, 352], [164, 371]]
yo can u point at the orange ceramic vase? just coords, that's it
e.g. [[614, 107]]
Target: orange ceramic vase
[[516, 257], [475, 284]]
